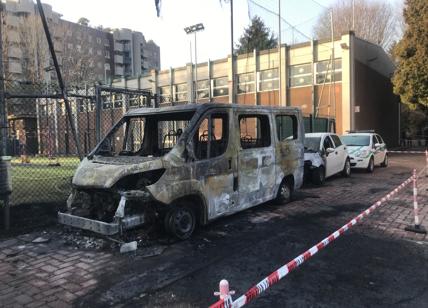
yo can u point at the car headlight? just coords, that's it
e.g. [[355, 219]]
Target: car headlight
[[362, 153]]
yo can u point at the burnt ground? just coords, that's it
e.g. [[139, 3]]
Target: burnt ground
[[377, 263]]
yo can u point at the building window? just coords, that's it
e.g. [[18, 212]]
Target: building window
[[300, 75], [220, 86], [117, 101], [181, 92], [203, 89], [107, 54], [268, 80], [99, 52], [324, 71], [165, 94], [70, 46], [106, 103], [78, 48], [246, 83], [98, 40], [90, 51]]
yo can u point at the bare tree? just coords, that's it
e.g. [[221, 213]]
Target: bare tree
[[375, 21]]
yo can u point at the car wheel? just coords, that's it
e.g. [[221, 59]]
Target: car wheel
[[285, 193], [346, 172], [385, 161], [180, 222], [318, 175], [370, 167]]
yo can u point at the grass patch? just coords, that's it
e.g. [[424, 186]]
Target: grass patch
[[37, 182]]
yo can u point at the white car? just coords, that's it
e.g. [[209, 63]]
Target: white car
[[366, 150], [325, 155]]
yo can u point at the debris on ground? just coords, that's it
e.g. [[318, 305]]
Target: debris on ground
[[40, 240], [128, 247]]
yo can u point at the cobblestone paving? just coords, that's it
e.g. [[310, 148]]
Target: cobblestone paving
[[54, 275]]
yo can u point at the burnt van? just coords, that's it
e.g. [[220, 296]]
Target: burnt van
[[186, 166]]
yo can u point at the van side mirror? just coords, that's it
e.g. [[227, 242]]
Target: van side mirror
[[329, 150], [377, 145]]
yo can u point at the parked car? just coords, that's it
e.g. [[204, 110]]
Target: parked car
[[366, 149], [187, 165], [325, 155]]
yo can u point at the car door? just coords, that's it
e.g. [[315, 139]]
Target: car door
[[330, 158], [342, 154], [382, 148], [214, 163], [377, 150], [256, 160]]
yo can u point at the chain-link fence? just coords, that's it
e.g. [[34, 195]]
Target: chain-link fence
[[40, 137]]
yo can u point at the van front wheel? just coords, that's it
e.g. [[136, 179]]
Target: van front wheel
[[180, 222]]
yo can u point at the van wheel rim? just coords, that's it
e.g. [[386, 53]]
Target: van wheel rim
[[183, 222], [285, 192], [348, 167]]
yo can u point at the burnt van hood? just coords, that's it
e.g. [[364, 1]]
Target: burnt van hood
[[103, 172]]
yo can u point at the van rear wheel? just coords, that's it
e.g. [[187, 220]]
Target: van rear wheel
[[318, 175], [180, 222], [285, 193]]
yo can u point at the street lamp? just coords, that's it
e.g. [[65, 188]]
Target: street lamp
[[189, 30]]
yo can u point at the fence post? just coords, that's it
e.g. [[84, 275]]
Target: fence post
[[225, 295], [417, 228], [98, 113]]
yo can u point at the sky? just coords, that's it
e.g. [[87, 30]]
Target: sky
[[167, 31]]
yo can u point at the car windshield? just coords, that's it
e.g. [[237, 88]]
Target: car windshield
[[148, 135], [312, 144], [356, 140]]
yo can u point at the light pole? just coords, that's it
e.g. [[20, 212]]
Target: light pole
[[189, 30]]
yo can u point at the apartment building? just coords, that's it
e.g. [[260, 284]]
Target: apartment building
[[133, 55], [354, 89]]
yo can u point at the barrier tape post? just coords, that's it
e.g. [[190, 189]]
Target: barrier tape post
[[284, 270], [225, 295], [417, 226]]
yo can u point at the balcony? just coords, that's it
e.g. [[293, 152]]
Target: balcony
[[118, 59]]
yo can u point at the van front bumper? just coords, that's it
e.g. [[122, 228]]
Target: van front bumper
[[100, 227]]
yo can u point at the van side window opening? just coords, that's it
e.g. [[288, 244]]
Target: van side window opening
[[254, 131], [286, 127], [336, 140], [328, 143], [211, 138]]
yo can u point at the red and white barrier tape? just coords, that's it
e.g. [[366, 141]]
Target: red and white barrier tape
[[284, 270], [407, 152]]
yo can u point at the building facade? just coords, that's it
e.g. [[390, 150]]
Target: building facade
[[133, 56], [354, 89]]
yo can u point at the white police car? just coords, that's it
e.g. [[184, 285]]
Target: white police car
[[366, 149]]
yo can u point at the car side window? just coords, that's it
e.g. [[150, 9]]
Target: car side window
[[327, 143], [336, 140], [374, 141], [379, 138]]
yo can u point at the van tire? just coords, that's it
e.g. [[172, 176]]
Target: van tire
[[180, 221], [318, 175], [285, 192], [370, 167], [346, 172]]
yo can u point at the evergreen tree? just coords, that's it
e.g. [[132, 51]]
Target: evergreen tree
[[411, 53], [256, 36]]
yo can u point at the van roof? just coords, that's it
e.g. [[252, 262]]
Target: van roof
[[203, 107]]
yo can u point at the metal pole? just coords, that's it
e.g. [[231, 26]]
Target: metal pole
[[333, 65], [196, 71], [3, 115], [232, 57], [59, 76], [280, 103], [353, 15], [98, 114]]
